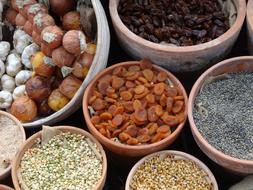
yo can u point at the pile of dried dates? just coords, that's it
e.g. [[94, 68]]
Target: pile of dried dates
[[175, 22], [53, 48]]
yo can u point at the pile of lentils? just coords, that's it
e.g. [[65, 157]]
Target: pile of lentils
[[223, 114], [170, 172], [67, 161], [177, 22]]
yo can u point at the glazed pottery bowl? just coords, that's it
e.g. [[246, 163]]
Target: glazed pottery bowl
[[33, 139], [178, 59], [174, 153], [123, 149], [6, 172], [250, 25], [4, 187], [238, 64], [98, 64]]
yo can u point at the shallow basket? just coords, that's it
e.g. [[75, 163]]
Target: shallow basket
[[250, 25], [99, 63], [238, 64]]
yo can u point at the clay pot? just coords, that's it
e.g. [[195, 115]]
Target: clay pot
[[123, 149], [178, 59], [238, 64], [4, 187], [31, 141], [176, 153], [250, 25], [5, 173]]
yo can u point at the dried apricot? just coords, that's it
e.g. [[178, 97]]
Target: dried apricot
[[171, 91], [134, 68], [102, 131], [92, 99], [143, 131], [170, 120], [150, 98], [141, 115], [126, 95], [177, 107], [163, 129], [112, 109], [178, 98], [123, 88], [156, 138], [95, 120], [134, 76], [143, 138], [132, 130], [159, 88], [128, 106], [139, 89], [146, 64], [142, 80], [110, 100], [117, 120], [169, 104], [119, 71], [119, 110], [162, 76], [106, 116], [116, 133], [148, 74], [106, 78], [110, 90], [137, 104], [102, 87], [139, 96], [113, 96], [132, 141], [152, 129], [163, 100], [159, 110], [152, 116], [124, 136], [98, 104], [130, 84], [181, 117], [117, 82]]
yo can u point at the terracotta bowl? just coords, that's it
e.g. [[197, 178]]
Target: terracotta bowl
[[176, 153], [98, 64], [250, 25], [128, 150], [238, 64], [4, 187], [8, 170], [178, 59], [30, 142]]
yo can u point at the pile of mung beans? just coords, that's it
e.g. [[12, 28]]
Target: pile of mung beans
[[137, 104], [67, 161], [167, 171]]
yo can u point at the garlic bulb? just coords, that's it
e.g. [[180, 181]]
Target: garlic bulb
[[13, 65], [19, 92], [8, 83], [4, 50], [21, 40], [22, 77], [2, 68], [28, 52], [5, 99]]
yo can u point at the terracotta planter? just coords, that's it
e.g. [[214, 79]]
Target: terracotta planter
[[250, 25], [128, 150], [238, 64], [177, 153], [30, 142], [8, 170], [4, 187], [178, 59]]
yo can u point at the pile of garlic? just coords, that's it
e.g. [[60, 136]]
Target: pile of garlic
[[15, 67]]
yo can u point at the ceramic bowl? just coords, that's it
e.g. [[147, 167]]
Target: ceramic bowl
[[250, 25], [98, 64], [175, 153], [128, 150], [4, 187], [5, 173], [30, 142], [238, 64], [178, 59]]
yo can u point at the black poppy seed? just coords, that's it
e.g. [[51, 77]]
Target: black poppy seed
[[228, 126]]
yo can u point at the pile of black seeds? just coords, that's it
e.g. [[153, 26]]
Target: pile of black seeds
[[223, 114], [177, 22]]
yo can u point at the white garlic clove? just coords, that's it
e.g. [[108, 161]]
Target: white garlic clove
[[2, 68], [22, 77], [4, 50], [5, 100], [8, 83], [28, 52], [21, 40], [66, 71], [13, 65], [19, 92]]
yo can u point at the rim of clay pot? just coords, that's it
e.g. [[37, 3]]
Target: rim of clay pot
[[241, 13], [30, 141], [250, 13], [213, 151], [20, 126], [120, 145], [4, 187], [172, 152]]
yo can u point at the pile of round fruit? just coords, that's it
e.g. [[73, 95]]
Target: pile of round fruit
[[51, 55]]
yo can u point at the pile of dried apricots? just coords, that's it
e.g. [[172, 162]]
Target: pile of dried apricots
[[137, 104]]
